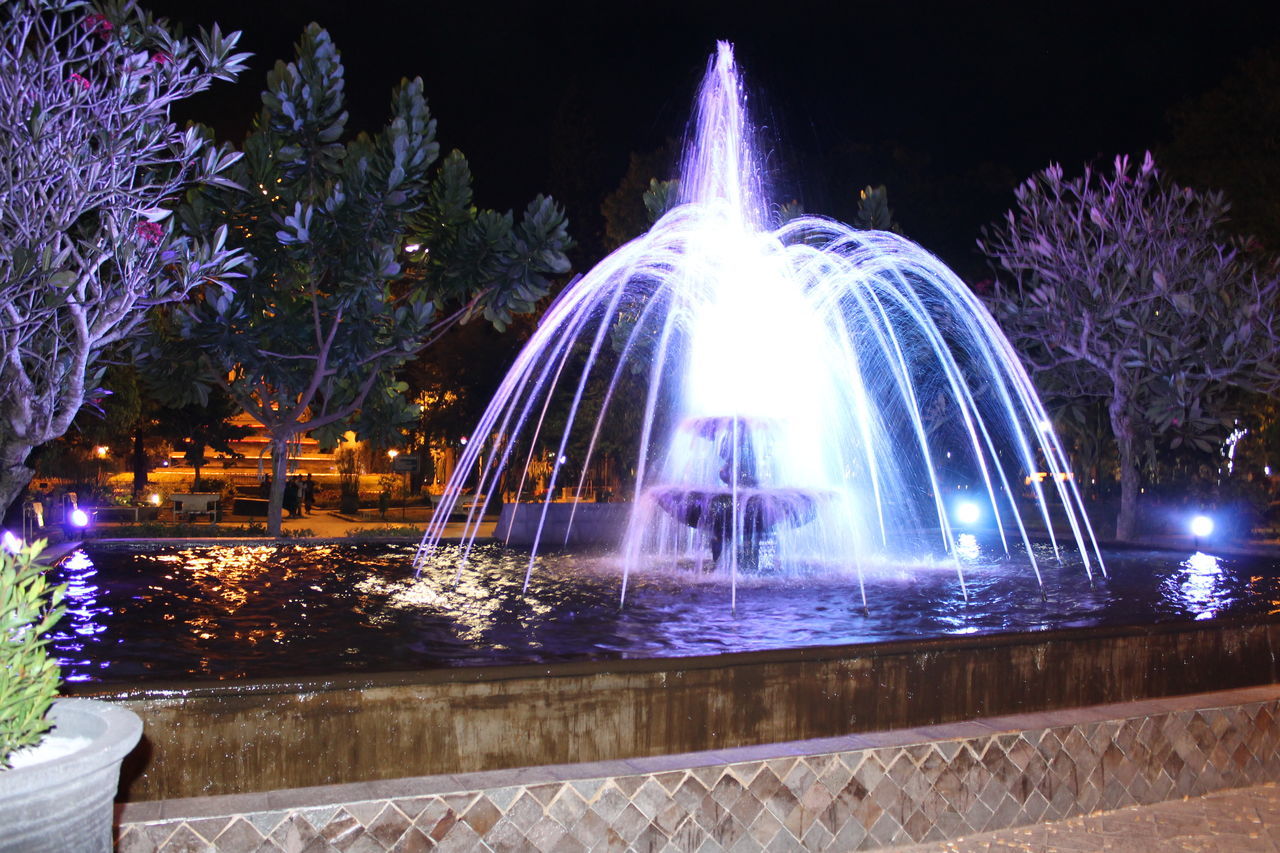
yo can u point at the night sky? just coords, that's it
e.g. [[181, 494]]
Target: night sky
[[950, 105]]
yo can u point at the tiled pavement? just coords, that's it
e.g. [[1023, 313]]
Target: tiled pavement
[[867, 791], [1245, 819]]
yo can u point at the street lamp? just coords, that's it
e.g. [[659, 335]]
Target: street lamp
[[404, 496]]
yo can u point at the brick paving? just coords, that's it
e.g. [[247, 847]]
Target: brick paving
[[1243, 819]]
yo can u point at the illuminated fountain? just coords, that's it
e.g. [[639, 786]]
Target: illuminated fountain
[[803, 403], [814, 396]]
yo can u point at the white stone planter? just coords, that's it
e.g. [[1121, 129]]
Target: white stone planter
[[66, 803]]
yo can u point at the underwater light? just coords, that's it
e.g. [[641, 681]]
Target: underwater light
[[79, 518], [968, 512], [1201, 526], [12, 544]]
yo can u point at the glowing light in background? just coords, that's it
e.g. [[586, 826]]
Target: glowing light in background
[[1202, 526], [968, 512], [1229, 447], [12, 544], [79, 518]]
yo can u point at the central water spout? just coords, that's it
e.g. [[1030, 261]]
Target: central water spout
[[793, 398]]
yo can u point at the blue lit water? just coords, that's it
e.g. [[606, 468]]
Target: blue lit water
[[183, 612]]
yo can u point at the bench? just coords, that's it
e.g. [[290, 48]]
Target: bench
[[197, 504]]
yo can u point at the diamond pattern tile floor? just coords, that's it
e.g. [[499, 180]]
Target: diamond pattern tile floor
[[1232, 821]]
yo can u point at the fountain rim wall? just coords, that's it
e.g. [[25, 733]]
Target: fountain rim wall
[[117, 691], [1051, 765], [205, 738]]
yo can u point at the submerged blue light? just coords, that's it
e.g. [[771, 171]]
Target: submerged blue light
[[1201, 526], [968, 512]]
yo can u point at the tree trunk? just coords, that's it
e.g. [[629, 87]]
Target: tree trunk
[[14, 474], [279, 478], [139, 464], [1130, 482], [196, 457]]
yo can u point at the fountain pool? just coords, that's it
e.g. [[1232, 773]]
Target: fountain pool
[[808, 398], [141, 614], [264, 666]]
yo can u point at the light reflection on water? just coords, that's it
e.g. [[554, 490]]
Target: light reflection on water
[[233, 611], [1198, 584]]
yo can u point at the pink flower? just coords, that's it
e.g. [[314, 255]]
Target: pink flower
[[160, 57], [76, 78], [100, 25], [150, 231]]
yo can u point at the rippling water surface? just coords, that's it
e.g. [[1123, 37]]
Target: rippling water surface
[[232, 611]]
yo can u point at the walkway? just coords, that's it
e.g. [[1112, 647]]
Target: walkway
[[1245, 819], [327, 524]]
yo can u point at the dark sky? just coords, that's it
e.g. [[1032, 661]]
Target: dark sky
[[947, 103]]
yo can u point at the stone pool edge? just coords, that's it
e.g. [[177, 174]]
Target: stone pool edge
[[243, 737], [857, 791]]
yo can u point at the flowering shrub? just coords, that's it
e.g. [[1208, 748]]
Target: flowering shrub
[[100, 25], [150, 232], [93, 166]]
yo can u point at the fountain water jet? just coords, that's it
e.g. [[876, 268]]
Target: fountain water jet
[[812, 392]]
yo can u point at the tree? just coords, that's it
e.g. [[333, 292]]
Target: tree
[[195, 428], [874, 213], [1229, 139], [92, 166], [351, 247], [454, 380], [1122, 287], [629, 210]]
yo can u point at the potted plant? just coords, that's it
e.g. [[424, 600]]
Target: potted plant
[[59, 758]]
